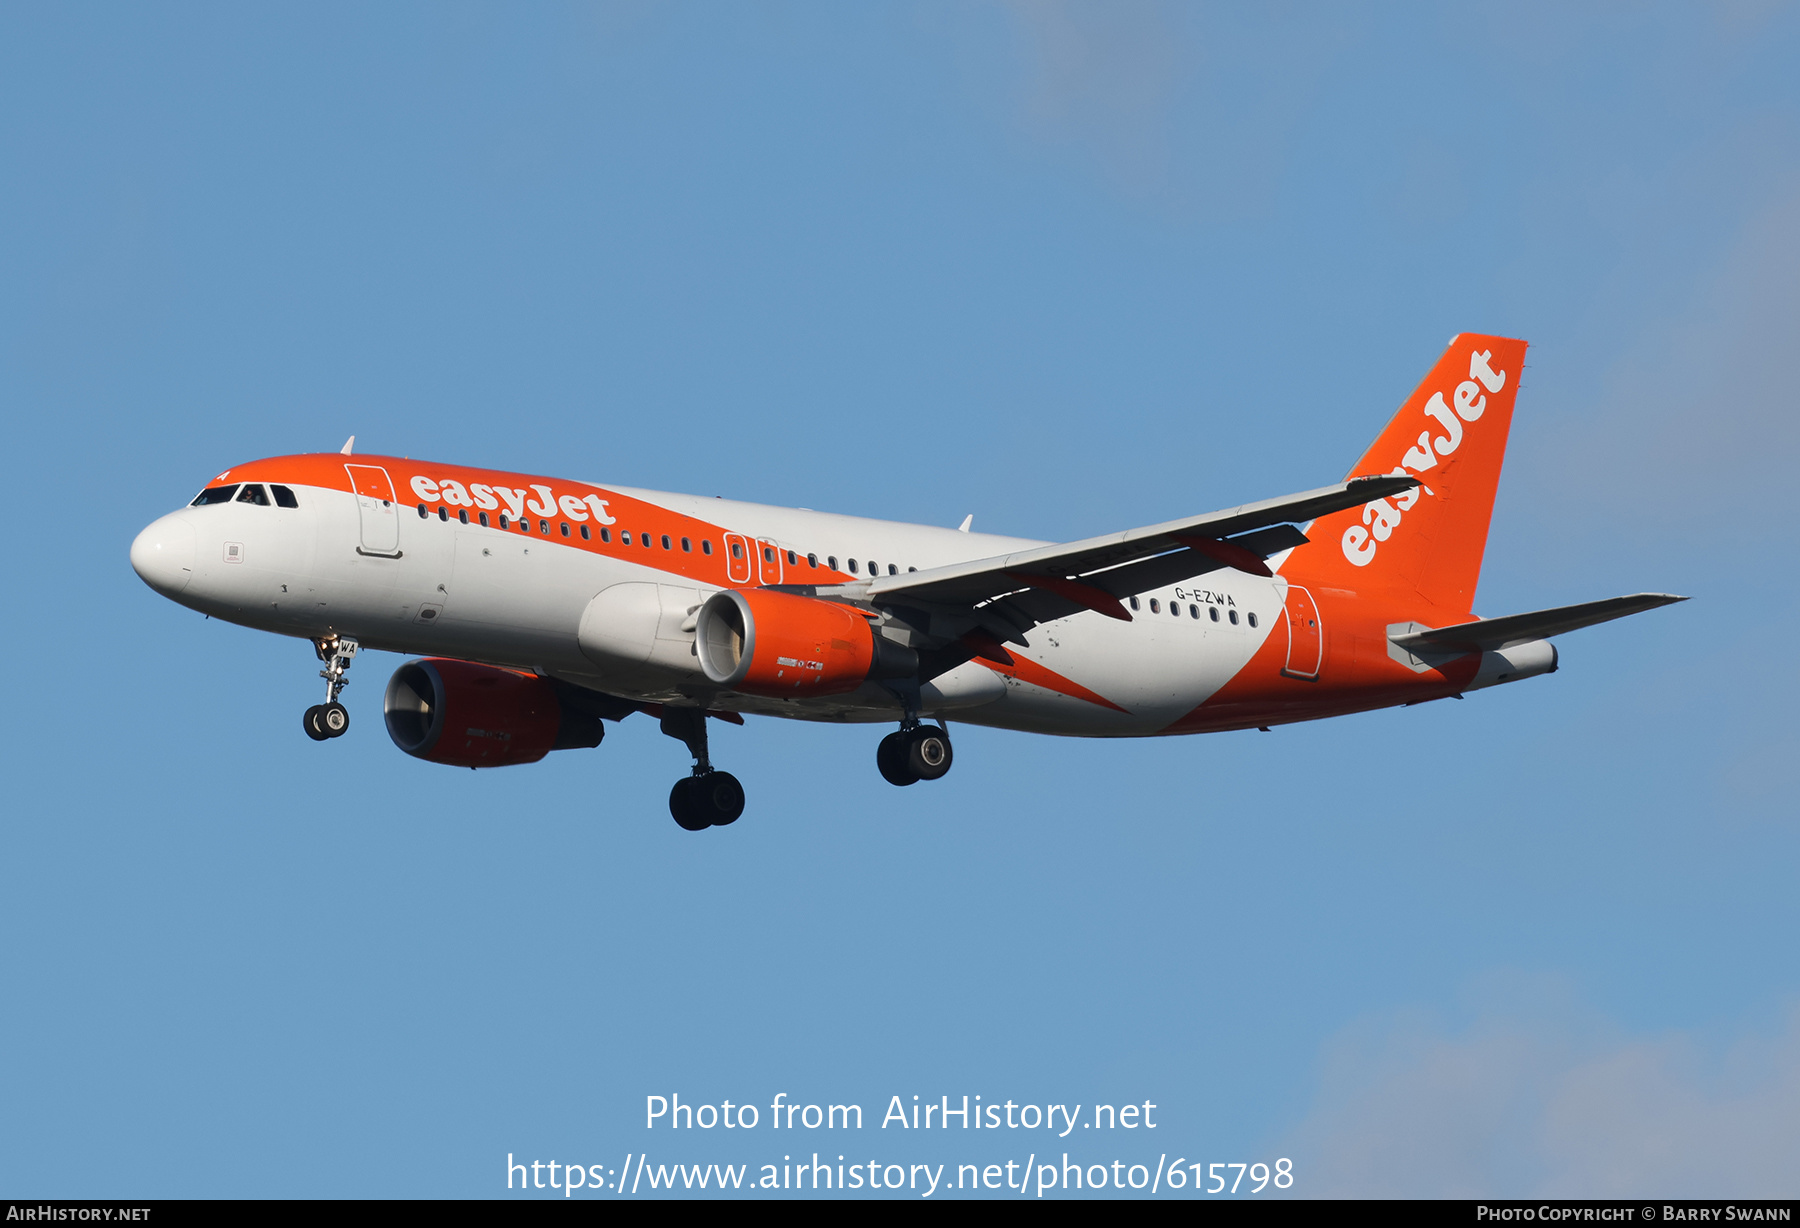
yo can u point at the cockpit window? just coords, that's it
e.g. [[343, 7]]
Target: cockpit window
[[215, 494], [254, 493], [284, 497]]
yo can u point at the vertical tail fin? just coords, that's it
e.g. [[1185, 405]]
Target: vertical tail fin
[[1451, 435]]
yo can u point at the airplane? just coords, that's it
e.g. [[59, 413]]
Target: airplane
[[539, 608]]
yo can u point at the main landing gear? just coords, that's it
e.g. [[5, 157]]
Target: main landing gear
[[331, 719], [707, 798], [915, 752]]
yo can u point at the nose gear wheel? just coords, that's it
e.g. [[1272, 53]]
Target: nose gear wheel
[[331, 719]]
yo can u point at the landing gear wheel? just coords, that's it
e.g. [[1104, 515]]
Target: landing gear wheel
[[682, 806], [334, 719], [721, 797], [714, 799], [928, 753], [310, 722], [891, 760]]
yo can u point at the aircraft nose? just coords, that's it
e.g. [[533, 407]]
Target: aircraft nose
[[163, 554]]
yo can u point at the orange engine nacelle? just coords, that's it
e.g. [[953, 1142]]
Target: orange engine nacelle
[[476, 716], [764, 643]]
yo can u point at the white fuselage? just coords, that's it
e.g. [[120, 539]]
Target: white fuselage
[[531, 601]]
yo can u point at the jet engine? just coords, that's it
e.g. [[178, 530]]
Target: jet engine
[[779, 644], [469, 715]]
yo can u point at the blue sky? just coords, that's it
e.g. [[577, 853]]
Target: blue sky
[[1071, 268]]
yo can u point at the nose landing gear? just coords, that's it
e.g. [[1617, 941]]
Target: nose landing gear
[[331, 719], [909, 755], [707, 798]]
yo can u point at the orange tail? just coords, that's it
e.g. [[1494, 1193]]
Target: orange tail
[[1451, 435]]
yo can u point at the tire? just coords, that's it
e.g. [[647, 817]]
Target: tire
[[682, 806], [334, 719], [310, 722], [928, 753], [891, 760], [720, 797]]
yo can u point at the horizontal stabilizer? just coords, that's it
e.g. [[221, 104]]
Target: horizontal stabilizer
[[1488, 634]]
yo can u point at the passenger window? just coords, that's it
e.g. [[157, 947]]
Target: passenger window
[[1252, 619], [793, 559], [254, 493], [503, 520], [1155, 606], [444, 514], [1233, 617], [665, 541], [812, 560], [1213, 612], [1134, 603], [893, 570], [852, 566], [284, 497], [484, 520], [1175, 608], [831, 561], [737, 550], [1193, 611], [422, 512], [606, 535], [687, 547], [544, 527], [768, 554], [624, 537], [912, 569], [463, 515], [706, 545], [585, 534], [644, 539], [218, 494], [564, 526]]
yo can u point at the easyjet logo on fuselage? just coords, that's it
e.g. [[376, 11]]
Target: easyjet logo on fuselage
[[1381, 517], [518, 500]]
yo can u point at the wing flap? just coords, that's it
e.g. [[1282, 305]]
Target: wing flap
[[1166, 569], [1487, 634]]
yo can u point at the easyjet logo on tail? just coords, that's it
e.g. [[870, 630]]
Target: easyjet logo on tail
[[518, 501], [1380, 517]]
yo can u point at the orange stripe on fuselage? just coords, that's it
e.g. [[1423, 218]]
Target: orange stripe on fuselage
[[1356, 673], [646, 522], [1026, 670]]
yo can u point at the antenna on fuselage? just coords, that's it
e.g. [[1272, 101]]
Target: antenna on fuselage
[[967, 521], [348, 444]]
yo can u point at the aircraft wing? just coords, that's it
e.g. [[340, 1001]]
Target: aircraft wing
[[1050, 582], [1491, 633]]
